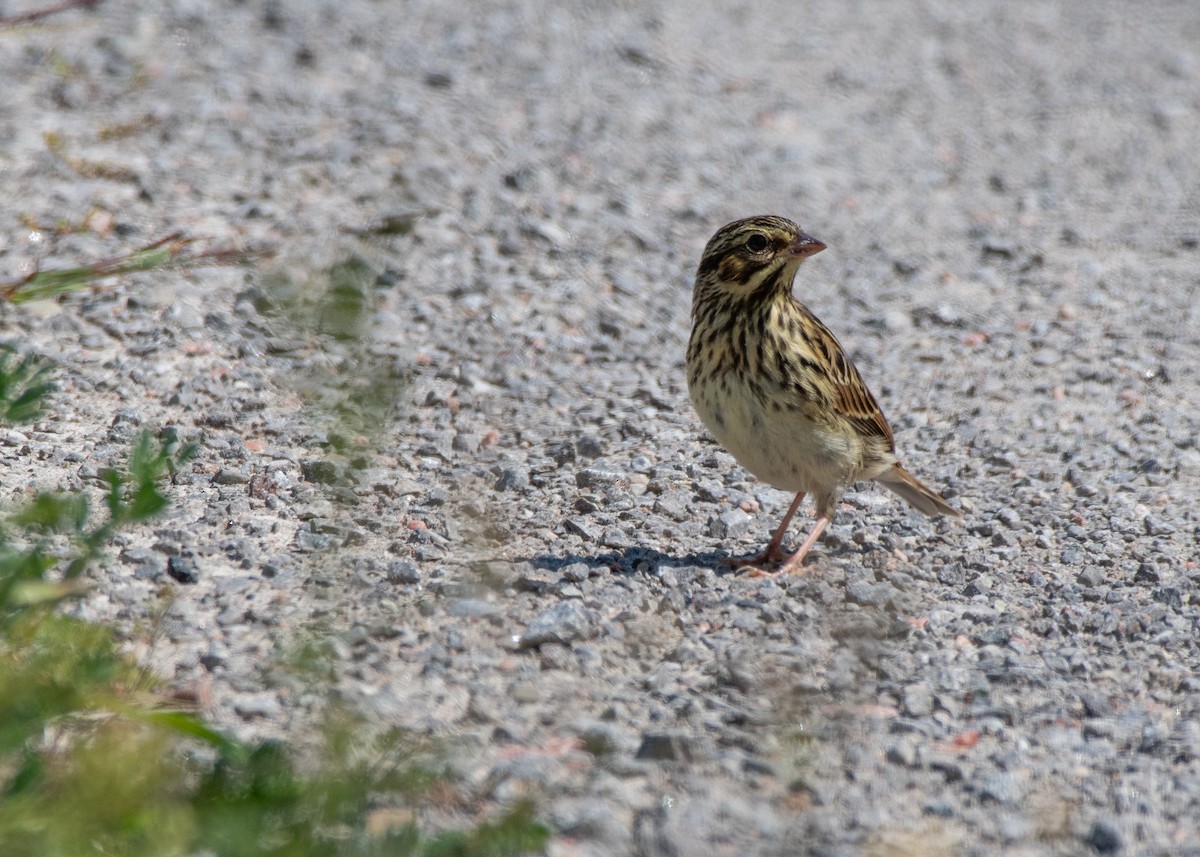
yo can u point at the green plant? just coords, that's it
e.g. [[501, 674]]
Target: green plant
[[130, 498], [90, 761], [24, 384], [172, 252], [341, 375]]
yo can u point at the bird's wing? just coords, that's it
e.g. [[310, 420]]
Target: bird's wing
[[847, 392]]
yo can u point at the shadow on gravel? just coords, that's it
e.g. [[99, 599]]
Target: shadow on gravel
[[634, 559]]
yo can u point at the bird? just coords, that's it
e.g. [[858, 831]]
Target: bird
[[776, 388]]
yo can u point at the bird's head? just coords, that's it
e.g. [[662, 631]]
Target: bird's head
[[755, 254]]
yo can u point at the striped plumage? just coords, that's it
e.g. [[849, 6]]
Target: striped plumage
[[774, 385]]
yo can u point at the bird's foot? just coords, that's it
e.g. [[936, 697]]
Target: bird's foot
[[753, 571], [756, 566], [749, 565], [787, 563]]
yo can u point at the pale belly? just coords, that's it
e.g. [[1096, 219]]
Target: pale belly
[[785, 449]]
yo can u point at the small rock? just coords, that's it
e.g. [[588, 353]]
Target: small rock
[[216, 656], [526, 692], [472, 608], [1146, 573], [615, 537], [561, 453], [580, 527], [940, 808], [1009, 518], [513, 479], [403, 571], [147, 571], [601, 739], [1103, 838], [320, 471], [1091, 577], [1155, 526], [729, 524], [674, 505], [981, 585], [554, 656], [1171, 596], [589, 446], [917, 700], [562, 623], [576, 572], [229, 476], [951, 575], [870, 594], [666, 747], [257, 705], [181, 570], [594, 477], [466, 441], [1002, 787], [1096, 705], [903, 753]]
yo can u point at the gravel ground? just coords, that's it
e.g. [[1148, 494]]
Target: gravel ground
[[492, 505]]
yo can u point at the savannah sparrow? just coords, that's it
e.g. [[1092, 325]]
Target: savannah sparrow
[[774, 385]]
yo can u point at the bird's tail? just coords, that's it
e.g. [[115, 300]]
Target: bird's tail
[[902, 482]]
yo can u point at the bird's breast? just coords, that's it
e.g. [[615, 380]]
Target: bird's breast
[[777, 439]]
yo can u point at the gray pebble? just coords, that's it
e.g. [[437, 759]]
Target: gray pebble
[[230, 476], [917, 700], [939, 808], [593, 477], [729, 524], [871, 594], [589, 446], [1155, 526], [1002, 787], [674, 505], [513, 479], [472, 608], [562, 623], [1096, 705], [466, 441], [255, 705], [576, 572], [615, 537], [403, 572], [1091, 577], [182, 570], [903, 752], [320, 471], [979, 585], [1103, 838], [667, 747]]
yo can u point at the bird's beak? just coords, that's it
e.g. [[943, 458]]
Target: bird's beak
[[805, 245]]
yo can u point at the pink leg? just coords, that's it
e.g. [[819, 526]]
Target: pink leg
[[792, 566], [774, 551]]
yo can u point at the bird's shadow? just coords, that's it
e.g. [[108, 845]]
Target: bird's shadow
[[635, 559], [631, 560]]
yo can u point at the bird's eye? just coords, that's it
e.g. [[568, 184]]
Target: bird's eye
[[757, 242]]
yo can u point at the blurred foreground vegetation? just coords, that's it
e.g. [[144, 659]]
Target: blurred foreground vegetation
[[92, 761]]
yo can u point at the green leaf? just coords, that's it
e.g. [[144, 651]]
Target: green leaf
[[148, 501], [33, 592], [193, 727], [55, 513], [24, 386]]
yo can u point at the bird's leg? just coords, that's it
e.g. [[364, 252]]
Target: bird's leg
[[774, 551], [792, 566]]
